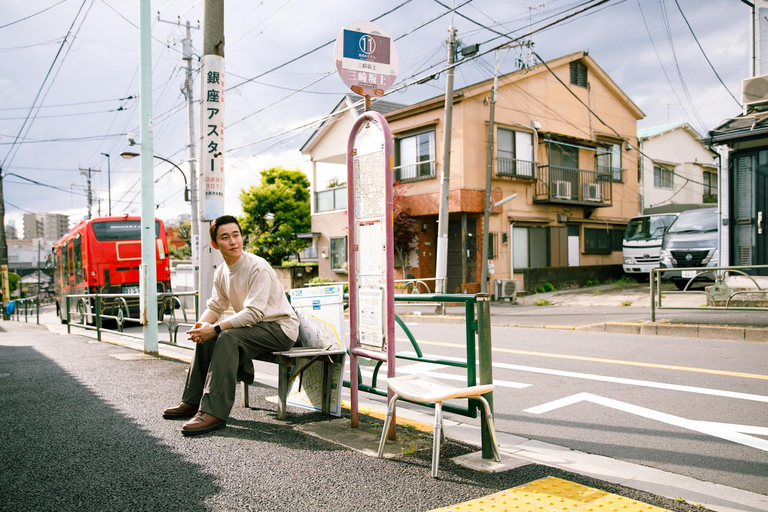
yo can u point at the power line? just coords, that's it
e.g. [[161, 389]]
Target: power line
[[73, 104], [705, 54], [32, 15], [42, 85]]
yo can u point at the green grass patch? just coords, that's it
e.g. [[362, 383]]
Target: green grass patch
[[542, 302]]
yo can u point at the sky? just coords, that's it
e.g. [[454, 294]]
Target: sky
[[70, 80]]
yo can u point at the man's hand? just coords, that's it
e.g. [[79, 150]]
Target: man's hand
[[201, 332]]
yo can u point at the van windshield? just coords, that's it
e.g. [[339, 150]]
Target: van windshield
[[648, 228], [695, 221]]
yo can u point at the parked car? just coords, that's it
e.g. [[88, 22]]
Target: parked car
[[642, 243], [691, 241]]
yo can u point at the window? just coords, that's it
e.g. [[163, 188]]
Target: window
[[579, 73], [598, 240], [331, 199], [710, 187], [563, 156], [663, 177], [339, 254], [609, 162], [118, 230], [415, 157], [514, 153], [493, 246], [529, 247]]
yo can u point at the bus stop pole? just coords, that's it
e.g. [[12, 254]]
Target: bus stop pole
[[485, 357]]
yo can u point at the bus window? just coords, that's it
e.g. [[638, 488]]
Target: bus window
[[117, 230], [78, 259]]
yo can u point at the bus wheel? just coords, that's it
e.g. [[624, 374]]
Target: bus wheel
[[120, 319]]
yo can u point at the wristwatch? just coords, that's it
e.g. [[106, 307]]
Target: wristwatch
[[217, 329]]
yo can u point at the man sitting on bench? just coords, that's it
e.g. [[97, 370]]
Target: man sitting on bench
[[264, 321]]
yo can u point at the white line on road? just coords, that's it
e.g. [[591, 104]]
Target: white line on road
[[727, 431], [621, 380]]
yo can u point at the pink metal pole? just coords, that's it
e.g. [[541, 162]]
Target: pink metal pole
[[355, 350]]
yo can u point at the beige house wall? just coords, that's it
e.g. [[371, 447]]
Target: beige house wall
[[524, 98]]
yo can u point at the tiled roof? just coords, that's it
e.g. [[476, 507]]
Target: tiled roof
[[646, 133]]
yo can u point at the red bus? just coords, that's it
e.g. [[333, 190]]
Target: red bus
[[103, 255]]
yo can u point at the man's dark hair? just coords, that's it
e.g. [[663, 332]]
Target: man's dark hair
[[220, 221]]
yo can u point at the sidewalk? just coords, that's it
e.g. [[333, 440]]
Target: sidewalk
[[82, 429]]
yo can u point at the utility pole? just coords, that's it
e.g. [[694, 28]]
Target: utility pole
[[109, 184], [90, 192], [441, 270], [187, 55], [3, 252], [488, 176], [213, 44], [148, 268]]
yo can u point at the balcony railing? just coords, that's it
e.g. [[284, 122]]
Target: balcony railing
[[611, 173], [556, 184], [513, 168], [415, 172]]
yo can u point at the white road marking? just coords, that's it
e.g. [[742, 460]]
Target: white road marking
[[628, 382], [727, 431], [426, 368]]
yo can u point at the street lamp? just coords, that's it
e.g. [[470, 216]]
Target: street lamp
[[130, 154], [109, 183]]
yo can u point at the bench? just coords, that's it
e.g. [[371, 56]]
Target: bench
[[292, 364]]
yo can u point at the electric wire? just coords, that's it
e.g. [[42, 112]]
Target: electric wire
[[32, 15], [705, 54]]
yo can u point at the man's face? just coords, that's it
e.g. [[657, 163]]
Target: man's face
[[229, 241]]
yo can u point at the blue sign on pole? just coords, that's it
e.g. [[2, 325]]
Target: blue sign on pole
[[366, 47]]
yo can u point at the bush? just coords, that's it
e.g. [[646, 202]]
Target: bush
[[546, 287], [318, 280], [542, 302], [592, 282]]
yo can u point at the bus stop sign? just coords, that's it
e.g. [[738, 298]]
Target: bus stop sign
[[366, 58]]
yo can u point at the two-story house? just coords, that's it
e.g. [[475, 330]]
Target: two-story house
[[677, 172], [563, 136]]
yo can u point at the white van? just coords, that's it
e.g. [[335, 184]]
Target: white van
[[642, 243]]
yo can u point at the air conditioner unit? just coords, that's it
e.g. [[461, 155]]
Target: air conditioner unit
[[507, 288], [592, 192], [754, 90], [561, 189]]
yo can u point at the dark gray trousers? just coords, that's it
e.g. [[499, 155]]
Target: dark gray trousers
[[225, 359]]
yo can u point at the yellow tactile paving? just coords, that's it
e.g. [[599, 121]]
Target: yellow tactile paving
[[552, 494]]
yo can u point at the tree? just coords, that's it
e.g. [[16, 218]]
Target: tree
[[183, 231], [13, 283], [274, 212], [406, 230]]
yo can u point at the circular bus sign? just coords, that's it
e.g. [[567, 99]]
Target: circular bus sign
[[366, 58]]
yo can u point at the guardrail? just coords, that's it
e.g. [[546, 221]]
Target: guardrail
[[26, 303], [720, 295], [88, 313]]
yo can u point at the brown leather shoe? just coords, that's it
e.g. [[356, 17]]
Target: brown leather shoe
[[181, 410], [202, 423]]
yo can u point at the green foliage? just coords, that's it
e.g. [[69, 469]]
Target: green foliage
[[294, 263], [626, 303], [13, 283], [623, 281], [317, 280], [592, 282], [542, 302], [546, 287], [273, 212], [184, 232]]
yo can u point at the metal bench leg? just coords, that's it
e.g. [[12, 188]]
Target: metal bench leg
[[437, 436], [327, 385], [245, 395], [387, 422], [284, 373], [489, 419]]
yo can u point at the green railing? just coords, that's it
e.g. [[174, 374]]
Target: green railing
[[27, 304], [89, 312], [474, 325]]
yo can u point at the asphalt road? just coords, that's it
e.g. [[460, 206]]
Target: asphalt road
[[689, 406]]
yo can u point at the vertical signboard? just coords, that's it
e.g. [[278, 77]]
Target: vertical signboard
[[322, 309], [212, 150]]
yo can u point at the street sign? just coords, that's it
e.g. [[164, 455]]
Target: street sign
[[366, 58], [212, 150]]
